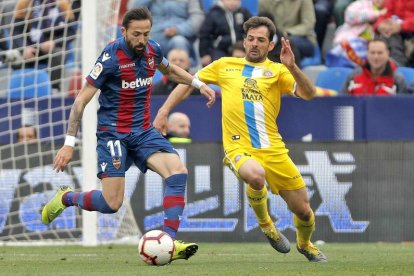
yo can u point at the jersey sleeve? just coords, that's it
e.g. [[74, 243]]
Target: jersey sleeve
[[101, 70], [209, 74], [159, 55], [286, 82]]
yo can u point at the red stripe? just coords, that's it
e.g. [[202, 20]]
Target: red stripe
[[75, 199], [151, 71], [174, 224], [126, 96], [173, 200], [87, 201]]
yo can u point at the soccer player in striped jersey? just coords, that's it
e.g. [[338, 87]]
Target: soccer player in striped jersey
[[251, 89], [123, 73]]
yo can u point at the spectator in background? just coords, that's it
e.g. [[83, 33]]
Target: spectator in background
[[397, 27], [177, 57], [237, 50], [378, 76], [222, 28], [323, 14], [176, 24], [296, 20], [6, 55], [178, 128], [27, 134], [42, 30], [339, 11], [359, 17]]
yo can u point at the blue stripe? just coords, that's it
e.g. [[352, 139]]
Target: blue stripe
[[251, 124], [247, 71]]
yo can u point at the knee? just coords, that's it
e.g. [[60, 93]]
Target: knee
[[304, 213], [256, 179]]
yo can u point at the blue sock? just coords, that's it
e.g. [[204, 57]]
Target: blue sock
[[90, 201], [174, 203]]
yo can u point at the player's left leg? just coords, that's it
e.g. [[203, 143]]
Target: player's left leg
[[170, 167], [304, 220]]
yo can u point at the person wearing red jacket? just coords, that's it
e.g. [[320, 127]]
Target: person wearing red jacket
[[378, 76], [397, 26]]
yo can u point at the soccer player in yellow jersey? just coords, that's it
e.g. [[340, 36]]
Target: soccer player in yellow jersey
[[251, 93]]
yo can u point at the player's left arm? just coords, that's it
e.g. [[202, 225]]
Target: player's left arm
[[304, 86], [179, 75]]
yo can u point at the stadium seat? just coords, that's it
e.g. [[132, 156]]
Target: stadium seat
[[29, 83], [316, 59], [333, 78], [408, 74]]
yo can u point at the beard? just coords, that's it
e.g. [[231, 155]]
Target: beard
[[137, 52]]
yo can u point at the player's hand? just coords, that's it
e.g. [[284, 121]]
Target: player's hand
[[209, 93], [286, 54], [62, 158], [160, 122]]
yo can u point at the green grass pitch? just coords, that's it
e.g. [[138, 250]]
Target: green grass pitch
[[212, 259]]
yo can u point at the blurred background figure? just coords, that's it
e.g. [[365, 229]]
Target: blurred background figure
[[27, 134], [176, 23], [42, 31], [180, 58], [397, 27], [359, 18], [378, 76], [221, 29], [296, 20], [237, 50], [323, 14], [178, 128]]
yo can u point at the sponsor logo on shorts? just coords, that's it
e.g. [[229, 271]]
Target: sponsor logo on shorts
[[103, 166], [237, 158], [235, 137]]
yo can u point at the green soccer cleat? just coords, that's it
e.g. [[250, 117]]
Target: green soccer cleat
[[276, 239], [312, 253], [55, 206], [183, 250]]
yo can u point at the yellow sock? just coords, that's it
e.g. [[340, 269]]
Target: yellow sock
[[258, 201], [304, 230]]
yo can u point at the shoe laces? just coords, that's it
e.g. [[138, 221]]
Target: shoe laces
[[312, 249]]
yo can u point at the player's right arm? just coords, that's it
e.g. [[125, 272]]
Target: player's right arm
[[65, 154]]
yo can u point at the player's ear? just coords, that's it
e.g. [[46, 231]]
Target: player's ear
[[271, 45], [123, 31]]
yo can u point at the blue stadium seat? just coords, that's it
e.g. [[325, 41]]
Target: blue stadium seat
[[29, 83], [316, 59], [408, 74], [333, 78]]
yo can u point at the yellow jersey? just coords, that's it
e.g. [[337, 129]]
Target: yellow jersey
[[251, 95]]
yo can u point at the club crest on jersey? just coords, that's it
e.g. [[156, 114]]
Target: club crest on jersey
[[96, 71], [151, 62], [267, 73], [116, 162]]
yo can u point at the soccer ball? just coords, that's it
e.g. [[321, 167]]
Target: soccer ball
[[156, 247]]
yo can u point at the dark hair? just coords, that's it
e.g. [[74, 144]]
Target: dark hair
[[379, 39], [141, 13], [258, 21]]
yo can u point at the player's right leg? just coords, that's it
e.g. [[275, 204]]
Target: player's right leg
[[107, 201], [251, 172], [113, 162]]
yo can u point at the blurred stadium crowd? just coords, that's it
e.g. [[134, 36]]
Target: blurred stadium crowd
[[362, 47]]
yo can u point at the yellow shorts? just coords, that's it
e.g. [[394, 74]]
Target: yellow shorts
[[280, 171]]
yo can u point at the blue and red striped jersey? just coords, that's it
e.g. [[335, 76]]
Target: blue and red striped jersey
[[125, 82]]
